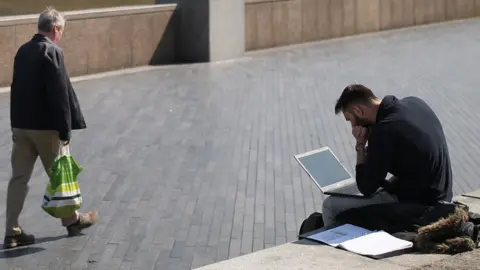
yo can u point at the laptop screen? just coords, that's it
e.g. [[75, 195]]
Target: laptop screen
[[324, 168]]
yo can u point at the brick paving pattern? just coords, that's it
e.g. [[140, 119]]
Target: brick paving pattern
[[190, 165]]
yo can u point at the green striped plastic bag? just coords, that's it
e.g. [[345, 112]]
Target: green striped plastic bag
[[62, 196]]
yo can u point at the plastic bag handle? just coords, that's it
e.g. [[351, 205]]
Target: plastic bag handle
[[63, 150]]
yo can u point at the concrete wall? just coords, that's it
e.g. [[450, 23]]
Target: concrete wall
[[272, 23], [211, 30], [23, 7], [99, 40]]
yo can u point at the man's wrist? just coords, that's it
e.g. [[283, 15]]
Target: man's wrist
[[361, 150], [64, 136], [360, 146]]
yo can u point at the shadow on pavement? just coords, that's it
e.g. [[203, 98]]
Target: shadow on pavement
[[19, 252], [27, 250]]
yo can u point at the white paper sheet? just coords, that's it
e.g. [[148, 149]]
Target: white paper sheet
[[375, 244], [338, 235]]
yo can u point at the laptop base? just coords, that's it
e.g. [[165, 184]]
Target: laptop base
[[346, 191], [333, 193]]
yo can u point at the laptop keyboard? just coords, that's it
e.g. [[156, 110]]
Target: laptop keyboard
[[350, 189]]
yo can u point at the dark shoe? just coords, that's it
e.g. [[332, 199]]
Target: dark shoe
[[84, 221], [18, 240]]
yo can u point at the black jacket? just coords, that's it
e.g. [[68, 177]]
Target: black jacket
[[42, 96], [407, 141]]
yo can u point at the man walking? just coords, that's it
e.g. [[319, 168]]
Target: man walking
[[44, 110], [406, 139]]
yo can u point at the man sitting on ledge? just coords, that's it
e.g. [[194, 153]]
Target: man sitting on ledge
[[406, 139]]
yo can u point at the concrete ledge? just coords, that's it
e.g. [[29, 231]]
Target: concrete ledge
[[274, 23], [263, 1], [302, 255], [464, 261], [307, 255], [474, 194], [211, 30], [90, 13], [100, 40]]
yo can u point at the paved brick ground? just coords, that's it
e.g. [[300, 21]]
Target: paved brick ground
[[193, 164]]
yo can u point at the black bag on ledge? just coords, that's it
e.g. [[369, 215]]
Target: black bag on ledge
[[313, 222]]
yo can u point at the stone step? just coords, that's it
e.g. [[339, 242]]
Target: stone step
[[474, 194], [305, 254], [463, 261]]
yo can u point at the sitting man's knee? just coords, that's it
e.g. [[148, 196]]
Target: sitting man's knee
[[328, 203], [333, 200], [333, 205], [329, 210]]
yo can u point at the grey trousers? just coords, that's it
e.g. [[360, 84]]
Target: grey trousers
[[334, 205]]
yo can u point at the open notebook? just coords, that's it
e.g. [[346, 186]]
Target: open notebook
[[374, 244]]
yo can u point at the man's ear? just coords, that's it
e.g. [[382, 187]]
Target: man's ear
[[357, 110]]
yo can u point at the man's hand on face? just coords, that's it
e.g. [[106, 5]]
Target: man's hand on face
[[360, 134]]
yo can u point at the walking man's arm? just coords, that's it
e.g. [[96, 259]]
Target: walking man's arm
[[57, 93]]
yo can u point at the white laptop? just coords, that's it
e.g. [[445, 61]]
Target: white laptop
[[328, 173]]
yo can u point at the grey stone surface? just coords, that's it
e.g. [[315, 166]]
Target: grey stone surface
[[190, 165], [465, 261], [415, 259], [211, 30], [302, 255], [474, 194]]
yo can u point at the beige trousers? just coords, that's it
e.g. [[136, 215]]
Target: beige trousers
[[28, 145]]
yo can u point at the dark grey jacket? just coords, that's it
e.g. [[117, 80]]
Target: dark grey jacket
[[42, 96]]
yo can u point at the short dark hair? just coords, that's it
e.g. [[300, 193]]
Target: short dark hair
[[354, 93]]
